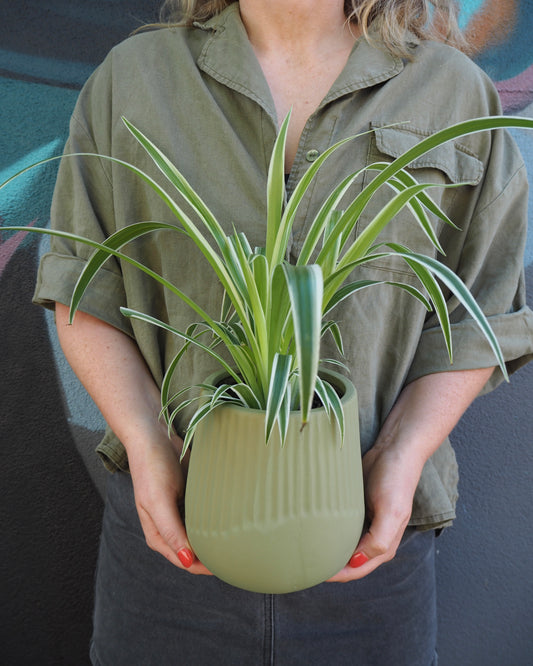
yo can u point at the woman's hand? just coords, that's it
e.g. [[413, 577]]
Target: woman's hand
[[159, 487], [390, 480], [110, 366], [425, 413]]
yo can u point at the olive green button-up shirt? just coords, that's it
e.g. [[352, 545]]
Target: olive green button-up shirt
[[201, 96]]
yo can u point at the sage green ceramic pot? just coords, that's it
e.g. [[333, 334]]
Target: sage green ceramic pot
[[274, 519]]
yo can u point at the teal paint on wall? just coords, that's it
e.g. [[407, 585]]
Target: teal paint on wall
[[468, 9], [35, 120]]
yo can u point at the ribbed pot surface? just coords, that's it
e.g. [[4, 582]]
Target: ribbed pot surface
[[275, 519]]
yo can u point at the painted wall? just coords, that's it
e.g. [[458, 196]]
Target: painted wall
[[50, 480]]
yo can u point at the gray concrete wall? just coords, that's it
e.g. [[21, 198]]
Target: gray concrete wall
[[51, 483]]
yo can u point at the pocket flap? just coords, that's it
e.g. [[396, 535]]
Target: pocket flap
[[451, 158]]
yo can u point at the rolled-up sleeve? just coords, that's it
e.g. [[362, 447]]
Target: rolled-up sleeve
[[489, 257], [83, 205]]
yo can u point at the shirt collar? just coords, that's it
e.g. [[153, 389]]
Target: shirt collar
[[228, 57], [368, 64]]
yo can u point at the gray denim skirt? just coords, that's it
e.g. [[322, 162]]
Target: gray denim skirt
[[150, 613]]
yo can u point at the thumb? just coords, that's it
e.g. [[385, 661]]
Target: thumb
[[165, 533], [379, 543]]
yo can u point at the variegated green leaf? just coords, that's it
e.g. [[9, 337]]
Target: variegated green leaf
[[305, 288], [284, 414], [197, 417], [276, 189], [141, 316], [278, 313], [169, 373], [174, 176], [461, 292], [335, 331], [336, 408], [246, 396], [279, 381], [348, 289], [320, 390], [260, 272], [319, 224]]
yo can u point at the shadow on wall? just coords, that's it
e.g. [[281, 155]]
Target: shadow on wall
[[51, 481]]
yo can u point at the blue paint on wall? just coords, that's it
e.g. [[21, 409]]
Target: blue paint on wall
[[51, 70], [513, 55], [33, 115], [468, 9], [23, 188]]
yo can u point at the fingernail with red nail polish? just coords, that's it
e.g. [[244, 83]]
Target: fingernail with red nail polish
[[357, 560], [186, 557]]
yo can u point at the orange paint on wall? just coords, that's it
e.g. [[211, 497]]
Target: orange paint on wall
[[492, 24]]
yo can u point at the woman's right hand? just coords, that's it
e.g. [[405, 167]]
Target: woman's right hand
[[112, 369], [159, 487]]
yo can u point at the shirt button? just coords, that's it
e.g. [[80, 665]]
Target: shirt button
[[311, 155]]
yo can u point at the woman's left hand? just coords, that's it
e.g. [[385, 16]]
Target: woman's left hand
[[390, 483], [425, 413]]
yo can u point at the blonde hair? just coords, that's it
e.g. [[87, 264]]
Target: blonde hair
[[394, 19]]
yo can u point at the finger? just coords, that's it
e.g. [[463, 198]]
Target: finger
[[377, 546], [182, 557], [359, 566], [165, 535], [382, 538]]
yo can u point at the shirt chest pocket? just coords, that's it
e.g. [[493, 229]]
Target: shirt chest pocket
[[450, 163]]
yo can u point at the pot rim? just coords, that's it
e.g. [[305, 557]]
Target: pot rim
[[342, 382]]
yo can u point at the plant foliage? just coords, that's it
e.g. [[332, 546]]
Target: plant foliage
[[274, 313]]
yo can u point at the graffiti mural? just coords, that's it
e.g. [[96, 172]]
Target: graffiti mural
[[48, 425], [500, 31]]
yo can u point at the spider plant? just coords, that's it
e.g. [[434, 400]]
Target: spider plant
[[274, 314]]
